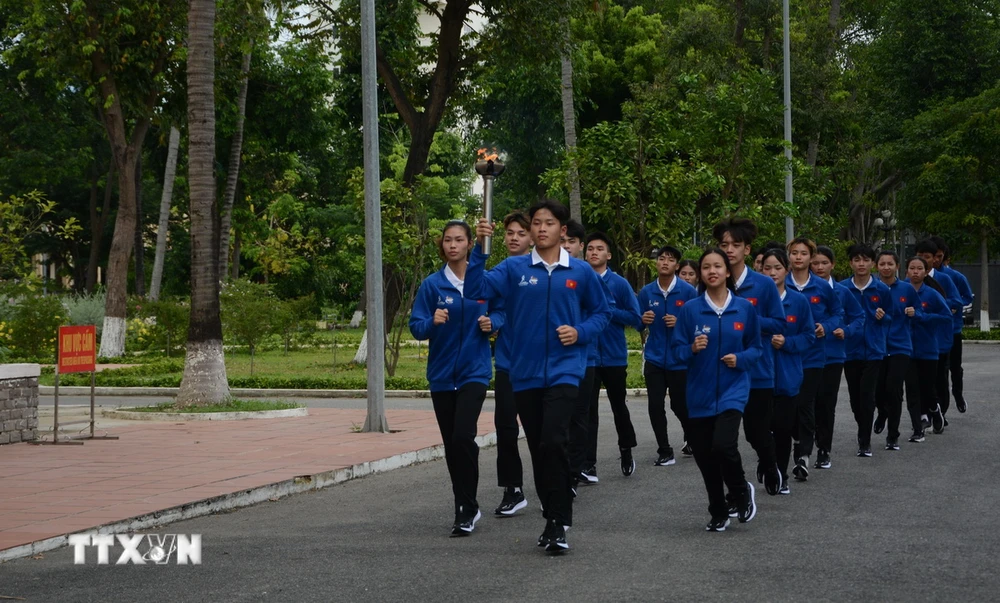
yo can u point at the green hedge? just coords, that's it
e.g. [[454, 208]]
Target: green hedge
[[974, 334]]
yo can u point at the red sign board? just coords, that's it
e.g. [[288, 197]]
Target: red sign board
[[77, 349]]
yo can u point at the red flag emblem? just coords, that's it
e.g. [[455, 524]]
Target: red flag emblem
[[792, 318], [923, 304], [875, 299], [482, 301], [752, 300], [570, 283], [738, 326], [814, 299], [679, 303], [902, 299]]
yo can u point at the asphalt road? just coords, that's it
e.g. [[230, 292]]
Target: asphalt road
[[913, 525]]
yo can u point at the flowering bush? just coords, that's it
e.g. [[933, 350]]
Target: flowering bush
[[32, 327]]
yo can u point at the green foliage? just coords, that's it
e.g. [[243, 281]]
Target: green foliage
[[233, 405], [85, 309], [247, 312], [32, 327], [295, 321], [22, 218]]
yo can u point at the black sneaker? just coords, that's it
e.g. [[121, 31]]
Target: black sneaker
[[944, 418], [960, 404], [823, 460], [464, 524], [554, 538], [628, 463], [865, 451], [892, 445], [513, 501], [772, 480], [718, 524], [879, 424], [917, 437], [687, 450], [591, 475], [937, 420], [748, 510], [664, 459], [784, 490], [925, 423], [572, 490], [801, 469]]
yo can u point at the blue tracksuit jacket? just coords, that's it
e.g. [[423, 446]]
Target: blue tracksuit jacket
[[869, 344], [800, 336], [459, 349], [761, 291], [713, 387], [933, 325], [611, 347], [903, 297], [952, 297], [659, 351], [854, 323], [826, 310], [539, 303]]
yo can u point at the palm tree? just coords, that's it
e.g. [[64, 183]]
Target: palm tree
[[204, 380]]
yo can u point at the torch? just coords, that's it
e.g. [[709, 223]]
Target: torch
[[489, 167]]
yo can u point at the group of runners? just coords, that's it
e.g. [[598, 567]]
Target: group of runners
[[765, 347]]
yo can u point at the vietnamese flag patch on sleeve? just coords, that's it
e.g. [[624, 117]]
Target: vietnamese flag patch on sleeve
[[679, 303], [738, 326], [875, 299], [570, 283], [791, 318], [814, 299], [752, 300], [902, 299]]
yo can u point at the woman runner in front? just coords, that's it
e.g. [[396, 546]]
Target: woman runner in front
[[931, 331], [458, 365], [718, 336]]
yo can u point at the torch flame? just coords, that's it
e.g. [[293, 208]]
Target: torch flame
[[488, 154]]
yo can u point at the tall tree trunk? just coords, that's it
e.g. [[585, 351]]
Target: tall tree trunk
[[569, 126], [163, 226], [235, 149], [140, 264], [97, 223], [984, 281], [237, 245], [204, 380]]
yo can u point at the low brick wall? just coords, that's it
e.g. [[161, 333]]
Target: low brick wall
[[18, 402]]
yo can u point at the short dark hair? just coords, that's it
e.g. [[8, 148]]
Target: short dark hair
[[809, 243], [560, 211], [597, 236], [942, 246], [772, 244], [742, 230], [889, 252], [777, 253], [730, 281], [519, 217], [575, 230], [926, 246], [668, 250], [824, 250], [860, 250]]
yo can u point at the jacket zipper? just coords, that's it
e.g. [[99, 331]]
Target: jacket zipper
[[666, 335], [718, 367], [548, 299], [461, 341]]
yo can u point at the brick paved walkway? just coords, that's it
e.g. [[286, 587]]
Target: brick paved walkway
[[49, 491]]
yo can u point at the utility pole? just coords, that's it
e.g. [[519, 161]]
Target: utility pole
[[787, 52], [373, 226]]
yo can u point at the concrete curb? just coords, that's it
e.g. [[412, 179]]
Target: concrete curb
[[48, 390], [243, 498], [129, 415], [981, 342]]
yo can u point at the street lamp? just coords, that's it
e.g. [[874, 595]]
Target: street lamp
[[885, 222]]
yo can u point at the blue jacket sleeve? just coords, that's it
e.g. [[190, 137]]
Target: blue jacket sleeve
[[951, 297], [962, 284], [422, 315], [772, 314], [483, 284], [626, 311], [835, 316], [595, 302], [805, 335], [854, 316], [498, 315], [937, 310], [912, 301], [642, 299], [752, 346], [885, 302], [683, 336]]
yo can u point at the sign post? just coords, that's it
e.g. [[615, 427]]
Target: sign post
[[77, 353]]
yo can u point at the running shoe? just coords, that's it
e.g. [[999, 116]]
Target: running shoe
[[772, 479], [591, 475], [937, 420], [664, 459], [748, 510], [823, 459], [718, 524], [628, 463], [960, 403], [892, 445], [513, 501], [917, 437], [465, 524], [801, 469], [687, 450], [879, 424]]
